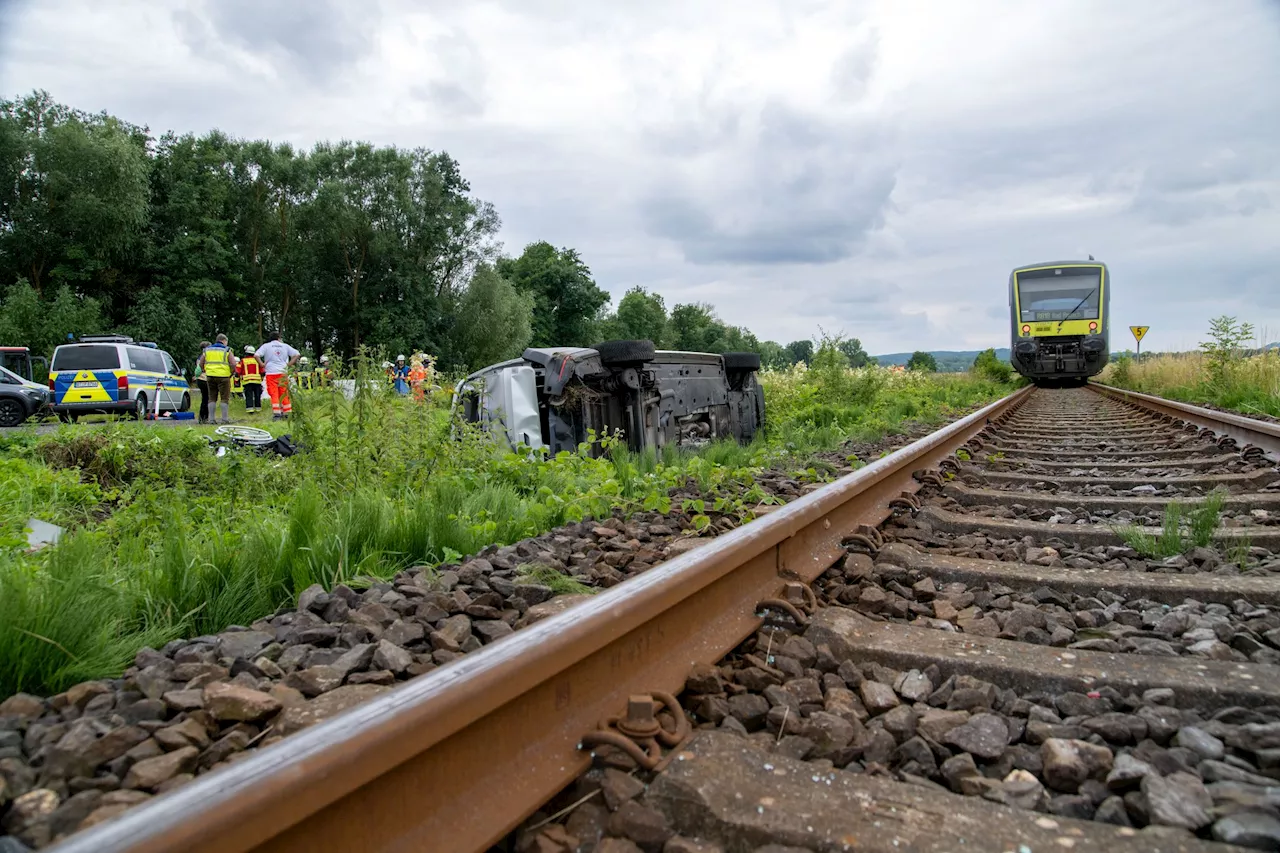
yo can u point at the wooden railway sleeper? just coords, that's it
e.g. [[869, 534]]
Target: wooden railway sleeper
[[640, 733]]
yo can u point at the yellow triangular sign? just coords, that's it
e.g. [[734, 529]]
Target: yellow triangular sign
[[1138, 332]]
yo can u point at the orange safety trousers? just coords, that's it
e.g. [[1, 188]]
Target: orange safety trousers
[[278, 391]]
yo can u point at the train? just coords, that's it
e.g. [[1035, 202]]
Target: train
[[1061, 324]]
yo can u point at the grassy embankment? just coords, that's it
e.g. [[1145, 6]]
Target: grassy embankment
[[166, 540], [1225, 372]]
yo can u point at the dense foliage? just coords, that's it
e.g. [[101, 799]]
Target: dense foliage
[[105, 227], [165, 539], [922, 361]]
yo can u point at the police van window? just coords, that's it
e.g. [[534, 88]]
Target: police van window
[[169, 366], [145, 359], [86, 357]]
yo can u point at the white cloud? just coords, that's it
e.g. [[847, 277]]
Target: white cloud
[[872, 167]]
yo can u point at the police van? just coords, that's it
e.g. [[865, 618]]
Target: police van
[[112, 374]]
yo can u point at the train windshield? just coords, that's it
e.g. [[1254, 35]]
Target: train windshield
[[1060, 293]]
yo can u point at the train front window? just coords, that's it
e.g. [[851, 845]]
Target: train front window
[[1060, 293]]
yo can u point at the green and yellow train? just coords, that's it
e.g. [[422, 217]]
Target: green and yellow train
[[1061, 327]]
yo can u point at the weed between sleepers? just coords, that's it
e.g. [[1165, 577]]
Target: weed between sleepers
[[1184, 527]]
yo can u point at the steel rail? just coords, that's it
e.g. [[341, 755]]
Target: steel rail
[[1246, 431], [453, 760]]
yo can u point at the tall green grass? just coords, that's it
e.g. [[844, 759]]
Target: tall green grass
[[166, 540]]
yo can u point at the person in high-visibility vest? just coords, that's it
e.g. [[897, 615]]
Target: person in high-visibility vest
[[324, 373], [303, 377], [250, 373], [219, 364]]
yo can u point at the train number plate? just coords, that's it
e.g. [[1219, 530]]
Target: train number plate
[[88, 385]]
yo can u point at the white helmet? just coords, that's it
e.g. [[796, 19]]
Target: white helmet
[[385, 365], [400, 358], [304, 360], [249, 349], [324, 359]]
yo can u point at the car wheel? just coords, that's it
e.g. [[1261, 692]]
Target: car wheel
[[12, 413], [185, 405], [625, 352], [140, 408], [735, 361]]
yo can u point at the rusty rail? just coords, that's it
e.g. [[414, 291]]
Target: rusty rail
[[455, 759], [1245, 431]]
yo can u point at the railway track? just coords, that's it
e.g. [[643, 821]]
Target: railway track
[[968, 615]]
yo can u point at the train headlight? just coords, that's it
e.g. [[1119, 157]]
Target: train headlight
[[1026, 330], [1093, 327]]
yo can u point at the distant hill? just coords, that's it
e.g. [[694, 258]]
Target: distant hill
[[949, 361]]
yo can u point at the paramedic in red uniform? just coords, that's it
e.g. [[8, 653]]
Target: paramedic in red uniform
[[250, 373], [277, 357]]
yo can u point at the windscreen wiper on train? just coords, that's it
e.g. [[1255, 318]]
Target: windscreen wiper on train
[[1077, 308]]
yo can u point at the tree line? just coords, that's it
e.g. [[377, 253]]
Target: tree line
[[173, 238]]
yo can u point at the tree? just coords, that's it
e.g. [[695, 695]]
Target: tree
[[566, 299], [923, 362], [799, 351], [42, 322], [774, 355], [75, 200], [494, 322], [173, 327], [989, 366], [853, 351], [641, 316]]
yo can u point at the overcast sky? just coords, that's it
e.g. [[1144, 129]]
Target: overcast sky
[[874, 167]]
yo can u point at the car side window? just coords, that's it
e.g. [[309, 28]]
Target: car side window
[[169, 366], [145, 359]]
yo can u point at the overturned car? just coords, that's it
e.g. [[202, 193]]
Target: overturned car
[[553, 397]]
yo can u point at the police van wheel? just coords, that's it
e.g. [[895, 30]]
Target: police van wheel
[[140, 408], [185, 405]]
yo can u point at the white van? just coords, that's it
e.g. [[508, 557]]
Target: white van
[[113, 374]]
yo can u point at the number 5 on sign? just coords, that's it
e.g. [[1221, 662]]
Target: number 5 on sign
[[1138, 332]]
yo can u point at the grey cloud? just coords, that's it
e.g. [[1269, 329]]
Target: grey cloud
[[807, 191], [314, 38], [462, 90], [853, 70]]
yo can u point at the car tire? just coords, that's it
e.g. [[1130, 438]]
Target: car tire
[[625, 352], [140, 408], [185, 405], [735, 361], [12, 412]]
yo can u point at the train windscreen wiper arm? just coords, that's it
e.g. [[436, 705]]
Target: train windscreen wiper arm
[[1077, 308]]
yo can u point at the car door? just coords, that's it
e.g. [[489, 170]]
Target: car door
[[175, 385]]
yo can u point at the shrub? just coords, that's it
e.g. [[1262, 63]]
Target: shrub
[[988, 366]]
